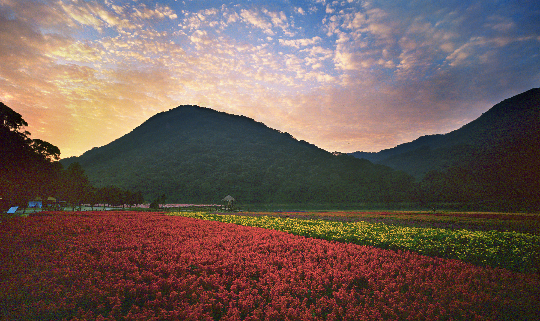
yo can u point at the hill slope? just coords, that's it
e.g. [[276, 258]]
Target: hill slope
[[513, 121], [195, 154]]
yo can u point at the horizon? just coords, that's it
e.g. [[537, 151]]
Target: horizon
[[345, 76]]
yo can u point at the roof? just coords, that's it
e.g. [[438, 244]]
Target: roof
[[228, 198], [50, 198]]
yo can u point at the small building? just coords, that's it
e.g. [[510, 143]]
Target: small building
[[35, 203], [39, 203], [229, 202]]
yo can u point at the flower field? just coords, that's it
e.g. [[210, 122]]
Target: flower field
[[511, 250], [518, 222], [148, 266]]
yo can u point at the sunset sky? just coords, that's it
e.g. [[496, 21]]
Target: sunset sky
[[344, 75]]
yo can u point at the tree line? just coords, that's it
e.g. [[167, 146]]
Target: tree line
[[506, 178], [30, 170]]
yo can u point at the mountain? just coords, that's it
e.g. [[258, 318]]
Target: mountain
[[196, 154], [513, 121], [492, 163]]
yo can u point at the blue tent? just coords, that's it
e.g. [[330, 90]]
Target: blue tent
[[12, 210]]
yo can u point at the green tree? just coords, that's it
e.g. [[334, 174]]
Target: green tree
[[92, 197], [101, 196], [133, 198], [156, 203], [76, 186], [46, 150], [29, 166], [112, 195]]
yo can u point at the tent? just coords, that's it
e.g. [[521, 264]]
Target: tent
[[228, 198], [36, 203], [229, 202], [12, 210]]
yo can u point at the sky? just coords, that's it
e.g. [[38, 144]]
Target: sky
[[343, 75]]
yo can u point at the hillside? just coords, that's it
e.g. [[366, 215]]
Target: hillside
[[195, 154], [491, 163], [512, 121]]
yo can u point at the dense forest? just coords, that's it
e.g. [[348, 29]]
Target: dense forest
[[492, 162], [504, 178], [194, 154], [29, 166], [30, 170]]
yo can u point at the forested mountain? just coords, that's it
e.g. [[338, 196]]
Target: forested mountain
[[512, 122], [491, 163], [195, 154]]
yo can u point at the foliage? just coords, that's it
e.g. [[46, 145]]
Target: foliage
[[507, 178], [10, 119], [46, 150], [75, 185], [198, 155], [511, 250], [156, 203], [492, 163], [514, 120], [141, 266], [29, 168]]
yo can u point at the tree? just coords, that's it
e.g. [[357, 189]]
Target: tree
[[46, 150], [132, 198], [156, 203], [137, 198], [111, 195], [11, 119], [92, 197], [101, 195], [75, 185], [29, 167]]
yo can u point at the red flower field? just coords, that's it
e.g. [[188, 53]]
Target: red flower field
[[147, 266]]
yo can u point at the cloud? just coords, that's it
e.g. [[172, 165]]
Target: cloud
[[329, 9], [77, 52], [84, 13], [43, 14], [319, 51], [200, 37], [23, 61], [500, 24], [344, 75], [160, 12], [297, 43], [99, 16], [266, 20], [278, 19], [254, 18]]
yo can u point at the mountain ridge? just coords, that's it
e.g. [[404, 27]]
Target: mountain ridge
[[511, 120], [197, 154]]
